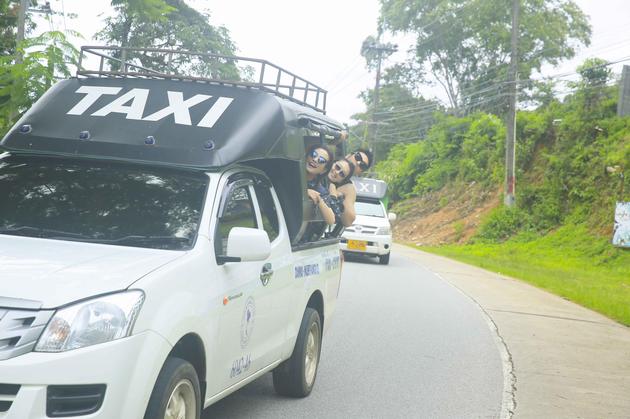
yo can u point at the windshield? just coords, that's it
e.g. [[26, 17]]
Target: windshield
[[369, 209], [100, 202]]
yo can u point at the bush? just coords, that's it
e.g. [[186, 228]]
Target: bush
[[502, 223]]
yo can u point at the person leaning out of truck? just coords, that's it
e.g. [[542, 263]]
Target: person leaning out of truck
[[361, 160], [331, 202], [318, 163]]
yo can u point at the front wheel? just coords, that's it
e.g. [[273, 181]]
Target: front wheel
[[383, 259], [176, 393], [295, 377]]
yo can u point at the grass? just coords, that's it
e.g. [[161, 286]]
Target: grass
[[569, 262]]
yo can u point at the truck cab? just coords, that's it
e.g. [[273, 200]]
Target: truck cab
[[158, 248], [371, 232]]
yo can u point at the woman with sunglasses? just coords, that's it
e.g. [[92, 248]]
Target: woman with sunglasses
[[318, 163], [331, 201], [361, 160]]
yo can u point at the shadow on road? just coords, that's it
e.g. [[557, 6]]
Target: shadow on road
[[351, 257]]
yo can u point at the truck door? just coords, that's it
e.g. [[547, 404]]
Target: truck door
[[250, 327], [279, 283]]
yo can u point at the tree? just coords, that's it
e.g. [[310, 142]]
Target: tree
[[465, 44], [170, 24], [594, 72], [592, 87], [8, 25], [45, 58], [401, 116]]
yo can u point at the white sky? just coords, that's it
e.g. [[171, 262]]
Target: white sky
[[321, 40]]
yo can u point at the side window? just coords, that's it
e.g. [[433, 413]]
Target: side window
[[268, 211], [238, 212]]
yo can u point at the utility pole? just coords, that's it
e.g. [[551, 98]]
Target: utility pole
[[373, 124], [510, 141], [21, 23]]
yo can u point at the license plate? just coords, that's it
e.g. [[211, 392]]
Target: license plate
[[357, 245]]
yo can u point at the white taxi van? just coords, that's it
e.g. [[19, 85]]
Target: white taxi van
[[371, 232], [157, 247]]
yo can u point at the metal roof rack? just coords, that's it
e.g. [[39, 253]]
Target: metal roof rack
[[194, 66]]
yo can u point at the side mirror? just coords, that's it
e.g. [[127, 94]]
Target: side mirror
[[392, 217], [248, 245]]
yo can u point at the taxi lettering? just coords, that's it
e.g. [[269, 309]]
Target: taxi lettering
[[133, 103]]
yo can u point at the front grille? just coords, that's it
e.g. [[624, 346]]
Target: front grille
[[362, 229], [369, 243], [20, 329], [77, 400], [7, 395]]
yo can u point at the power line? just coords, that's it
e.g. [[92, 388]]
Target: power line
[[400, 113]]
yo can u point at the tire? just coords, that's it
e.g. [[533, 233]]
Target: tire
[[176, 388], [295, 377], [384, 259]]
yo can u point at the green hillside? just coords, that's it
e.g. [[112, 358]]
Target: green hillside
[[571, 155]]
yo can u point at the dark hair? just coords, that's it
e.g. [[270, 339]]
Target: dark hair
[[369, 155], [329, 163], [350, 170]]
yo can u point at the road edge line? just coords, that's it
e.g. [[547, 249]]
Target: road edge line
[[508, 397]]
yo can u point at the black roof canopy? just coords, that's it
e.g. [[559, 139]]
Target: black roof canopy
[[187, 123], [122, 110]]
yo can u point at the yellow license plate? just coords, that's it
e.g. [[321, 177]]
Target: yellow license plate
[[357, 244]]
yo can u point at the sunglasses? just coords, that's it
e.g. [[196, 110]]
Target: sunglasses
[[339, 170], [318, 157], [359, 159]]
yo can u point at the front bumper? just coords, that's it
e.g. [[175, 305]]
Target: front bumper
[[377, 245], [128, 367]]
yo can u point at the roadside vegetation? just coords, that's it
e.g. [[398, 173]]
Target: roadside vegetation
[[570, 262], [445, 163], [571, 155]]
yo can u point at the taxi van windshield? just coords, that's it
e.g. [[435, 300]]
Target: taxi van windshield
[[100, 202], [369, 209]]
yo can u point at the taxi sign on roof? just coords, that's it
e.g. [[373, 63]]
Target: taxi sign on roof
[[370, 188], [171, 122]]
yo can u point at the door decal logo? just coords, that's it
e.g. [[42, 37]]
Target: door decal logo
[[240, 365], [247, 322], [303, 271]]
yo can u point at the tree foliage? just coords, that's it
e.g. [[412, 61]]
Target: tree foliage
[[400, 117], [455, 149], [170, 24], [571, 158], [465, 44], [44, 59], [8, 25]]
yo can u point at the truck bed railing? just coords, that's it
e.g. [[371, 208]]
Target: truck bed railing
[[104, 61]]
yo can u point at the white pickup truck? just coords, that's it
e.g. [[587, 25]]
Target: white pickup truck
[[157, 250]]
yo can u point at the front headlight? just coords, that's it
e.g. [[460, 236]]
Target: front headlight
[[90, 322], [383, 231]]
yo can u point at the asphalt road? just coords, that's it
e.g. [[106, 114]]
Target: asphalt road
[[403, 343]]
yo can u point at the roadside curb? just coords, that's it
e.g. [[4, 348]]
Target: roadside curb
[[508, 398], [569, 362]]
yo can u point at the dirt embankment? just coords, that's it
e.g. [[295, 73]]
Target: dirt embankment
[[450, 215]]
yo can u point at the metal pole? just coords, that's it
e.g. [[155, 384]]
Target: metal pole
[[373, 124], [510, 141], [373, 127], [21, 22]]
